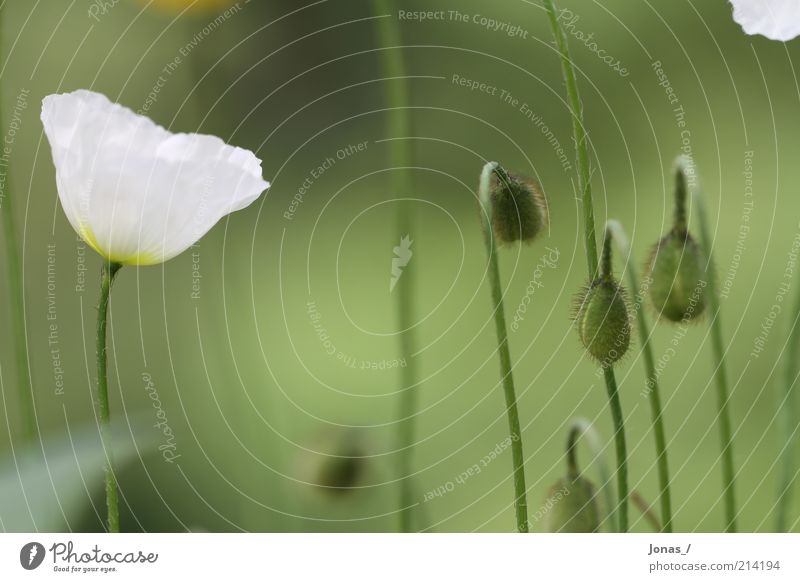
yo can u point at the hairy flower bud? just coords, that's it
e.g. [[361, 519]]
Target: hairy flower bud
[[675, 271], [601, 313], [518, 207], [677, 277], [603, 320], [571, 507]]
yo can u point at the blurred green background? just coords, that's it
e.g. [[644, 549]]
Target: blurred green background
[[260, 400]]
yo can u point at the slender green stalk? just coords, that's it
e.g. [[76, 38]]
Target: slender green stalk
[[394, 68], [108, 273], [579, 134], [619, 446], [644, 508], [585, 187], [581, 427], [653, 391], [17, 300], [790, 422], [720, 375], [515, 432]]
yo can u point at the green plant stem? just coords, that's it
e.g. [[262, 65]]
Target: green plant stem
[[108, 273], [394, 68], [653, 390], [644, 508], [573, 471], [515, 432], [789, 416], [681, 220], [581, 427], [17, 301], [720, 375], [620, 448], [579, 134], [590, 242]]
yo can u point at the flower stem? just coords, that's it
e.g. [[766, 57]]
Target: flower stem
[[789, 419], [393, 65], [515, 432], [720, 375], [590, 242], [17, 300], [580, 427], [108, 273], [653, 391], [620, 447], [644, 508]]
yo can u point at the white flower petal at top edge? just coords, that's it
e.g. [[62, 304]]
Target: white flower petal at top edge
[[775, 19], [136, 193]]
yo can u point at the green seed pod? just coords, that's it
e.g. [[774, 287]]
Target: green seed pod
[[571, 507], [676, 277], [603, 321], [518, 207]]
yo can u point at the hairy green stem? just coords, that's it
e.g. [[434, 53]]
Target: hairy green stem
[[17, 302], [394, 68], [620, 447], [515, 432], [680, 220], [590, 242], [653, 390], [108, 273], [789, 419], [720, 374], [606, 266], [579, 134]]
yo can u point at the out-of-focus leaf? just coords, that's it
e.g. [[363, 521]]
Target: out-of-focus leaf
[[47, 485]]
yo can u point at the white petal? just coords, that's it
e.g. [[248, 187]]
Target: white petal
[[134, 191], [775, 19]]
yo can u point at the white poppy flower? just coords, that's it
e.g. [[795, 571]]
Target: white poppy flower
[[136, 193], [775, 19]]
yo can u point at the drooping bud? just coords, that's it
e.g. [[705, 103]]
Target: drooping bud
[[601, 314], [571, 505], [518, 207], [675, 272]]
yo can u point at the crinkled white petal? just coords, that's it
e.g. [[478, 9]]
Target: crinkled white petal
[[775, 19], [134, 191]]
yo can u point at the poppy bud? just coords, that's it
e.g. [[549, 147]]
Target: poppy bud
[[675, 270], [518, 207], [602, 316], [603, 323], [571, 507], [677, 283]]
